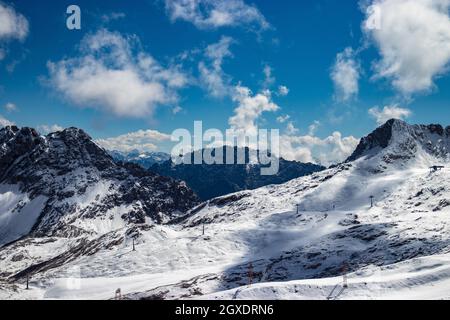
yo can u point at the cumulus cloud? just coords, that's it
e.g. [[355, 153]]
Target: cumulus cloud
[[249, 110], [13, 25], [46, 129], [177, 110], [312, 129], [106, 18], [291, 129], [111, 74], [213, 14], [269, 79], [212, 77], [283, 119], [345, 75], [389, 112], [5, 122], [283, 91], [293, 146], [142, 140], [10, 107], [413, 39], [309, 148]]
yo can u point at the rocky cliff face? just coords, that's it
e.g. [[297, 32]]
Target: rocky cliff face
[[77, 188], [397, 139]]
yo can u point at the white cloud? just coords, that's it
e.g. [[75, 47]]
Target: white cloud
[[293, 146], [291, 129], [345, 75], [5, 122], [269, 79], [212, 76], [250, 108], [108, 74], [283, 119], [106, 18], [46, 129], [389, 112], [10, 107], [13, 25], [177, 110], [309, 148], [413, 40], [312, 129], [283, 91], [213, 14], [142, 140]]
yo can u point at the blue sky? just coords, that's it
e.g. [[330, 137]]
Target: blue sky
[[335, 69]]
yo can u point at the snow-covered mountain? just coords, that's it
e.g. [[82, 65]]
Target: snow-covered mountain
[[144, 159], [396, 140], [255, 243], [64, 185]]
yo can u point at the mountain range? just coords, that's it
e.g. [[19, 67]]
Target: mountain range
[[211, 181], [50, 184], [144, 159], [69, 211]]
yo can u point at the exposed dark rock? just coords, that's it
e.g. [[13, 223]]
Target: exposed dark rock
[[410, 138], [67, 167], [212, 181]]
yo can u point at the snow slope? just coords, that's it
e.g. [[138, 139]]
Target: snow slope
[[18, 213], [424, 278], [267, 231], [294, 240]]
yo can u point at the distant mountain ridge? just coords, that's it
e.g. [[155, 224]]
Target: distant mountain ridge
[[211, 181], [144, 159]]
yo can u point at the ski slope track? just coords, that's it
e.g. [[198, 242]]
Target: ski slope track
[[290, 241]]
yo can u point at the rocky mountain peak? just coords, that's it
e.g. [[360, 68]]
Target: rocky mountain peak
[[73, 135], [14, 143], [65, 178], [401, 140], [74, 144], [19, 135]]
